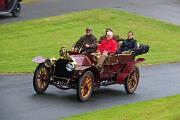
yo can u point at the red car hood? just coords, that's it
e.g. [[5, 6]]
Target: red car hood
[[81, 60]]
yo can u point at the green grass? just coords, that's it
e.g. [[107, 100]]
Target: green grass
[[22, 41], [27, 1], [160, 109]]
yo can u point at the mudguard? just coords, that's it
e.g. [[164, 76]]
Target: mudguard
[[38, 59], [126, 71]]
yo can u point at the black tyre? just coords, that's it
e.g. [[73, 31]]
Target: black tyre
[[16, 11], [132, 81], [85, 86], [40, 79]]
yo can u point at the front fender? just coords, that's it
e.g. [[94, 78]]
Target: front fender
[[38, 59], [139, 60], [81, 69]]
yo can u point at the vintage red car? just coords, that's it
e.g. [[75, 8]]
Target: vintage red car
[[78, 71], [12, 7]]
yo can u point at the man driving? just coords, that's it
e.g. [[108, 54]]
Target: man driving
[[86, 43]]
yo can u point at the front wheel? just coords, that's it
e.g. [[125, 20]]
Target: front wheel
[[40, 79], [17, 8], [85, 86], [132, 81]]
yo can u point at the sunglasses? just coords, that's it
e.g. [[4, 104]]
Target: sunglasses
[[88, 30]]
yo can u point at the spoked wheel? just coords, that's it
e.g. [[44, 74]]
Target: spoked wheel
[[16, 11], [40, 79], [85, 86], [132, 81]]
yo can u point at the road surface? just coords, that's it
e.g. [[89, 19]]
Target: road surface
[[166, 10], [18, 100]]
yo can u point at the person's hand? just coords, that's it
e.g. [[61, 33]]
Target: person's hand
[[87, 45], [97, 44], [126, 52], [73, 49], [105, 51]]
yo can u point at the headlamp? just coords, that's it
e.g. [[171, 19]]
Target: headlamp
[[70, 67]]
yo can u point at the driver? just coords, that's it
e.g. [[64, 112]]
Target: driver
[[86, 43]]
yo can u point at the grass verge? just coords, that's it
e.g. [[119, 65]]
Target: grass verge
[[28, 1], [160, 109], [22, 41]]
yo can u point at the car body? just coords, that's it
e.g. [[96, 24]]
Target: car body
[[12, 7], [78, 71]]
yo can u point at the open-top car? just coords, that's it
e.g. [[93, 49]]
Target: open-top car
[[78, 71], [12, 7]]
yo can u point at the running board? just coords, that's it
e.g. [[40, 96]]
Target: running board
[[2, 13]]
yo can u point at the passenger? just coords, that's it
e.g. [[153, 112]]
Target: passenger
[[128, 45], [108, 45], [115, 37], [87, 43]]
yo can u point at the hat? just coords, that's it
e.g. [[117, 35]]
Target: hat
[[110, 33], [89, 28], [109, 29]]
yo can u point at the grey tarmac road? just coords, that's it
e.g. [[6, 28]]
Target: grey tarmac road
[[166, 10], [18, 100]]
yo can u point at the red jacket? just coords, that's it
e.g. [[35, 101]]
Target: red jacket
[[107, 45]]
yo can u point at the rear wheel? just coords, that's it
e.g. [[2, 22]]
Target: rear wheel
[[132, 81], [40, 79], [16, 11], [85, 86]]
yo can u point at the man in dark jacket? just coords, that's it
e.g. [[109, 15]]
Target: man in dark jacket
[[128, 45], [87, 43]]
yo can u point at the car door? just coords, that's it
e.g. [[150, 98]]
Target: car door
[[2, 4]]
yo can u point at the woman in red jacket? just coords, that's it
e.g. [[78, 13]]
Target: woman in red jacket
[[107, 46]]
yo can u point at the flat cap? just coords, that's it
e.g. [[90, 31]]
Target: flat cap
[[89, 28], [109, 29]]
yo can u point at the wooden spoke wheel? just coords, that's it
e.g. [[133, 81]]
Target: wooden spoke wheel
[[85, 86], [40, 79], [132, 80]]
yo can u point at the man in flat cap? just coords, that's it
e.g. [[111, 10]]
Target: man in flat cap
[[86, 43]]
